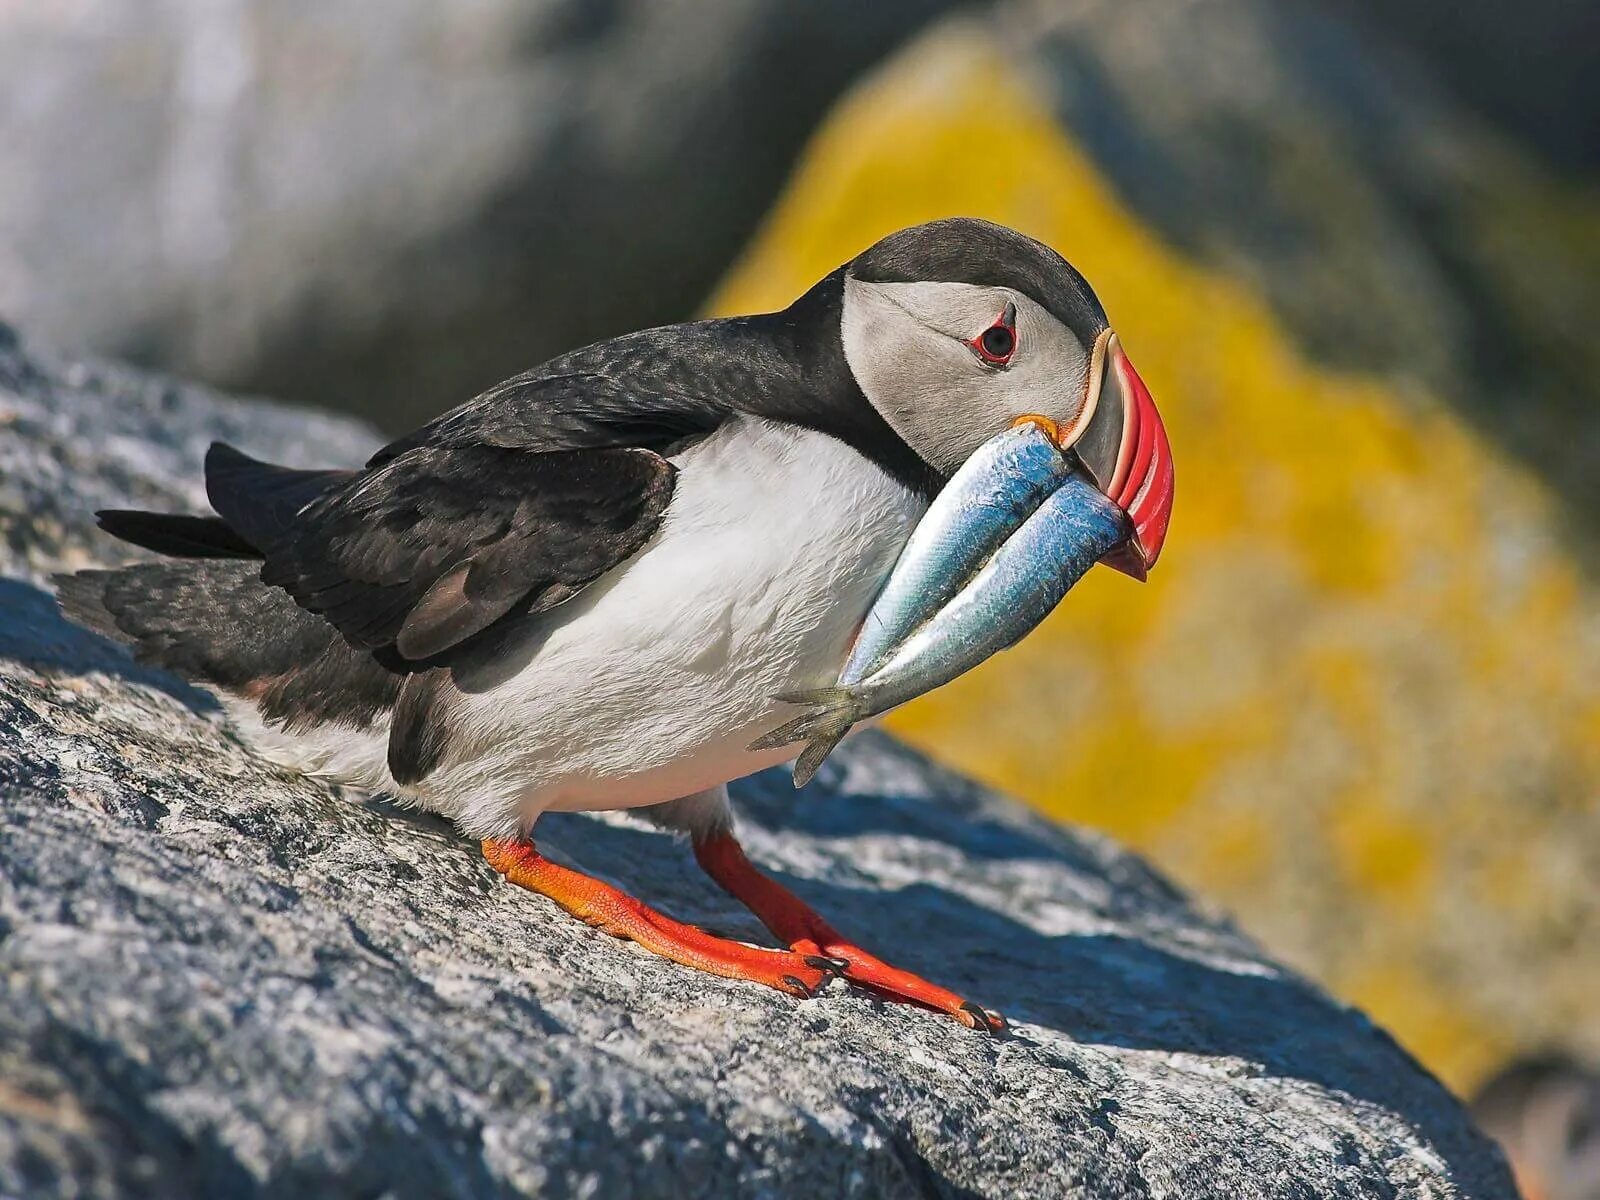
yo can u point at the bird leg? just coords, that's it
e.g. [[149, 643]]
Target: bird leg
[[793, 921], [619, 914]]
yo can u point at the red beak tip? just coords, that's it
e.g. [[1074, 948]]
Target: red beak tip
[[1143, 486]]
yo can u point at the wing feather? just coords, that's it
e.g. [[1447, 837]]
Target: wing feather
[[433, 546]]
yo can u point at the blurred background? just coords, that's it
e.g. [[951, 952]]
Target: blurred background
[[1353, 246]]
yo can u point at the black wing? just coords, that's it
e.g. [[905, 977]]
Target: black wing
[[514, 501], [438, 543]]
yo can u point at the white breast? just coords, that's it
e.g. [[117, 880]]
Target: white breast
[[649, 685]]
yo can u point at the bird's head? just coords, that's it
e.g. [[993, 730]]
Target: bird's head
[[957, 328]]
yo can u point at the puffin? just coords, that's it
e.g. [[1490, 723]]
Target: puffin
[[583, 589]]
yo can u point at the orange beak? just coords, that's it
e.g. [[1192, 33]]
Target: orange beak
[[1124, 446]]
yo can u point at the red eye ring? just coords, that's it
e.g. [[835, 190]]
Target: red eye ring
[[996, 344]]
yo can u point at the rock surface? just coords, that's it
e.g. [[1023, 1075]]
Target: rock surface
[[220, 980]]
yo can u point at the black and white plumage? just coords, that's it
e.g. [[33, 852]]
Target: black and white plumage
[[582, 589]]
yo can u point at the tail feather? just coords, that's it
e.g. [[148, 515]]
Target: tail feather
[[212, 621], [208, 621], [176, 534], [256, 501], [836, 710], [259, 500]]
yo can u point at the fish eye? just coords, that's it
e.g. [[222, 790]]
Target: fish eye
[[996, 344]]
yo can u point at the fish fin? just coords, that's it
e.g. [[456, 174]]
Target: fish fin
[[834, 705], [823, 697], [814, 755], [837, 709]]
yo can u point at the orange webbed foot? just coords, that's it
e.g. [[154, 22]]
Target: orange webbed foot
[[621, 915], [795, 922]]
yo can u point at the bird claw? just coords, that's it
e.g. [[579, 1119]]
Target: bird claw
[[809, 991], [985, 1019], [825, 962]]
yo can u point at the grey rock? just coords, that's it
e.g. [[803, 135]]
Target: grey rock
[[218, 979], [388, 207]]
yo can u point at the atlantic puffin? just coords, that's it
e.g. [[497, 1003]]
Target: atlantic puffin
[[583, 589]]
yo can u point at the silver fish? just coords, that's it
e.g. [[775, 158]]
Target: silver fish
[[985, 501], [1010, 594]]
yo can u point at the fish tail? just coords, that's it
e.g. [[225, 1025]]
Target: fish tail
[[836, 710], [815, 754]]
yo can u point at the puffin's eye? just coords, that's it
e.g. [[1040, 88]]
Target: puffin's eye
[[998, 341], [996, 344]]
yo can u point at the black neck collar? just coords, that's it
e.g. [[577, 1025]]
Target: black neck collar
[[814, 386]]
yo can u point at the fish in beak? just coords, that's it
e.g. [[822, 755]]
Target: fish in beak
[[1005, 540], [1012, 531], [1123, 445]]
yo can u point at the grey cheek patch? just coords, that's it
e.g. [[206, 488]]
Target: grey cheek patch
[[909, 346]]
